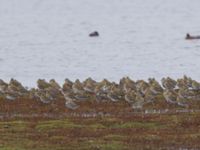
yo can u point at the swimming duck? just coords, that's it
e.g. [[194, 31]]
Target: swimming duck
[[94, 34], [189, 37]]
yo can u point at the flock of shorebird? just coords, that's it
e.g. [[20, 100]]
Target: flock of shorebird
[[137, 93]]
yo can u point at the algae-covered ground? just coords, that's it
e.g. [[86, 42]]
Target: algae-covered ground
[[139, 131], [30, 125]]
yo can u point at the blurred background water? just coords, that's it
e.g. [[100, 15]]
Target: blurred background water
[[138, 38]]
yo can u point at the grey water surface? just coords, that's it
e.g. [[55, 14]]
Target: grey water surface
[[138, 38]]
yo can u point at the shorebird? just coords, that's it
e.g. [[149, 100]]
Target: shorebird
[[17, 86], [155, 87], [101, 96], [12, 92], [3, 86], [14, 82], [77, 87], [195, 85], [103, 87], [126, 87], [130, 96], [152, 81], [115, 93], [54, 84], [89, 80], [127, 84], [71, 105], [168, 83], [54, 89], [81, 97], [11, 89], [89, 85], [69, 100], [183, 102], [53, 92], [43, 96], [181, 83], [67, 86], [183, 97], [11, 96], [32, 93], [149, 96], [68, 82], [188, 81], [42, 84], [139, 101], [135, 99], [170, 96], [196, 97], [142, 86]]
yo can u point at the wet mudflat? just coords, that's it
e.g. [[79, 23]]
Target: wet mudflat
[[95, 126]]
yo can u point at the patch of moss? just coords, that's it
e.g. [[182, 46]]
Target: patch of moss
[[145, 125], [96, 126], [56, 124], [101, 145], [115, 137], [112, 146], [57, 138], [11, 148], [19, 144], [14, 125]]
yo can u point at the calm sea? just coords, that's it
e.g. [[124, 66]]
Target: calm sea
[[138, 38]]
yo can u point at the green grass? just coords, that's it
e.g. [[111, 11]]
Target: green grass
[[56, 124], [112, 146], [115, 137], [102, 145], [14, 125], [134, 124], [110, 133]]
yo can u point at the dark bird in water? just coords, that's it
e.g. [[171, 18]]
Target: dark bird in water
[[189, 37], [94, 34]]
